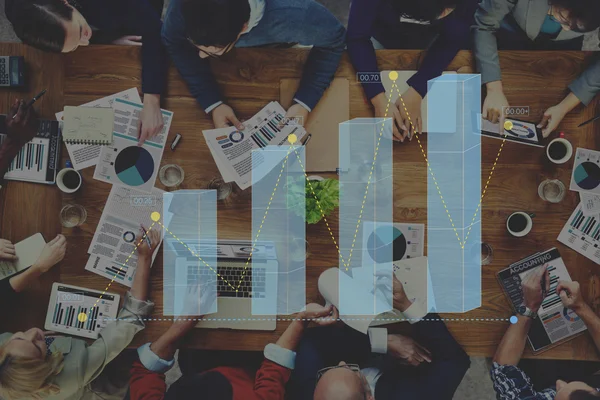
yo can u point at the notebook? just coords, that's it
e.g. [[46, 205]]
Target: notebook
[[88, 125], [28, 251], [323, 123], [38, 160]]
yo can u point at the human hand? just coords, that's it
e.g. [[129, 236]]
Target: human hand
[[23, 127], [128, 40], [320, 315], [151, 121], [224, 116], [7, 250], [400, 299], [199, 299], [407, 350], [533, 295], [383, 109], [52, 254], [411, 111], [145, 251], [297, 113], [494, 104], [552, 117], [570, 295]]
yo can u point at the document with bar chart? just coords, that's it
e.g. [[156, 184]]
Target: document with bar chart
[[232, 148], [555, 323], [582, 234], [79, 311], [39, 159]]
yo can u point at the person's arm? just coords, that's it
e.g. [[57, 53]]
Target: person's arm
[[454, 36], [195, 71], [587, 85], [280, 358], [319, 28], [18, 130], [488, 17], [117, 335], [571, 297], [363, 14], [513, 343]]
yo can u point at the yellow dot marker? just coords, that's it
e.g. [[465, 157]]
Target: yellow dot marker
[[82, 317], [393, 75], [508, 125], [155, 216], [292, 138]]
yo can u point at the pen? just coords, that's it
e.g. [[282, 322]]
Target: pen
[[175, 141], [588, 121], [307, 139], [147, 238], [32, 101]]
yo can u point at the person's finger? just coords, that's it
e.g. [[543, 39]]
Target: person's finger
[[19, 115], [136, 38], [563, 296], [14, 108], [9, 250], [7, 256], [55, 240], [424, 350], [420, 126], [414, 362], [139, 129], [562, 285], [549, 128], [236, 122], [547, 274], [501, 119], [423, 354], [544, 120], [395, 130]]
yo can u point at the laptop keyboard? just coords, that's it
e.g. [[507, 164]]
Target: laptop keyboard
[[232, 272]]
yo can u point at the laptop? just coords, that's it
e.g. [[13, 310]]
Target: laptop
[[243, 284]]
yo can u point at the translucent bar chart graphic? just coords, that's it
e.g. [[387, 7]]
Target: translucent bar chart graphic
[[190, 275], [366, 236], [278, 221], [454, 191]]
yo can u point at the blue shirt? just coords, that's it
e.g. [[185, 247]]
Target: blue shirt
[[551, 26], [305, 22]]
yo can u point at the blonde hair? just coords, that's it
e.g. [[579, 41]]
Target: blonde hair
[[28, 378]]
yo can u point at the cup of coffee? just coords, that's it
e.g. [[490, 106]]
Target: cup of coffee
[[559, 151], [519, 223], [68, 180]]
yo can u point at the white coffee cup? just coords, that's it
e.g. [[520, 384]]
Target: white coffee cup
[[528, 224], [60, 180], [568, 147]]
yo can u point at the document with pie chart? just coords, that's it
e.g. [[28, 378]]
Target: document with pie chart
[[407, 241], [586, 171], [124, 163]]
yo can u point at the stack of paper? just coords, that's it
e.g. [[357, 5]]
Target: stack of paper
[[232, 148]]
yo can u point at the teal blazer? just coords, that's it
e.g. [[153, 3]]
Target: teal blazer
[[83, 364], [529, 15]]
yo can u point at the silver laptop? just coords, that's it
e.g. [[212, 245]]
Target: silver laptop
[[242, 284]]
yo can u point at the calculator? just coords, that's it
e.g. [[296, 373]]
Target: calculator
[[11, 71]]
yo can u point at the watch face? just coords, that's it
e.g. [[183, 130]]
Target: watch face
[[521, 309]]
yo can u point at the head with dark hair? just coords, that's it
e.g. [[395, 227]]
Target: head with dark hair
[[425, 10], [215, 25], [50, 25], [575, 390], [576, 15]]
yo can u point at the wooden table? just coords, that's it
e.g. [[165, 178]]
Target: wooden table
[[537, 80]]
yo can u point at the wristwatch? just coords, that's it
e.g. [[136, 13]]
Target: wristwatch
[[526, 312]]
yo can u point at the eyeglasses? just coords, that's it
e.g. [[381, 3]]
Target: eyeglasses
[[558, 16], [218, 54], [351, 367]]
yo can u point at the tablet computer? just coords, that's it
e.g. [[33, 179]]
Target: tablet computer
[[521, 132], [79, 311]]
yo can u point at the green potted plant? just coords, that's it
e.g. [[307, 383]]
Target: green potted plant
[[327, 192]]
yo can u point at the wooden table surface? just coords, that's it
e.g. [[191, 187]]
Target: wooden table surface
[[537, 80]]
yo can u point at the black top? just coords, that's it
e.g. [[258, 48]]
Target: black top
[[7, 292], [111, 19]]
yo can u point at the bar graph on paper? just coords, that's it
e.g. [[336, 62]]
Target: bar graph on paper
[[582, 234]]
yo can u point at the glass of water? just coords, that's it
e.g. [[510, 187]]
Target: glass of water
[[224, 189], [171, 175], [72, 215], [552, 190]]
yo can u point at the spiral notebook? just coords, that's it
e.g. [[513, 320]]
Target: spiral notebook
[[88, 125]]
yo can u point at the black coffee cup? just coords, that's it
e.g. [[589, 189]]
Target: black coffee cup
[[519, 223], [68, 180]]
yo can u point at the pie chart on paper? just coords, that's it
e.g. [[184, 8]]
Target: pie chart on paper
[[134, 166], [386, 244], [587, 175]]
